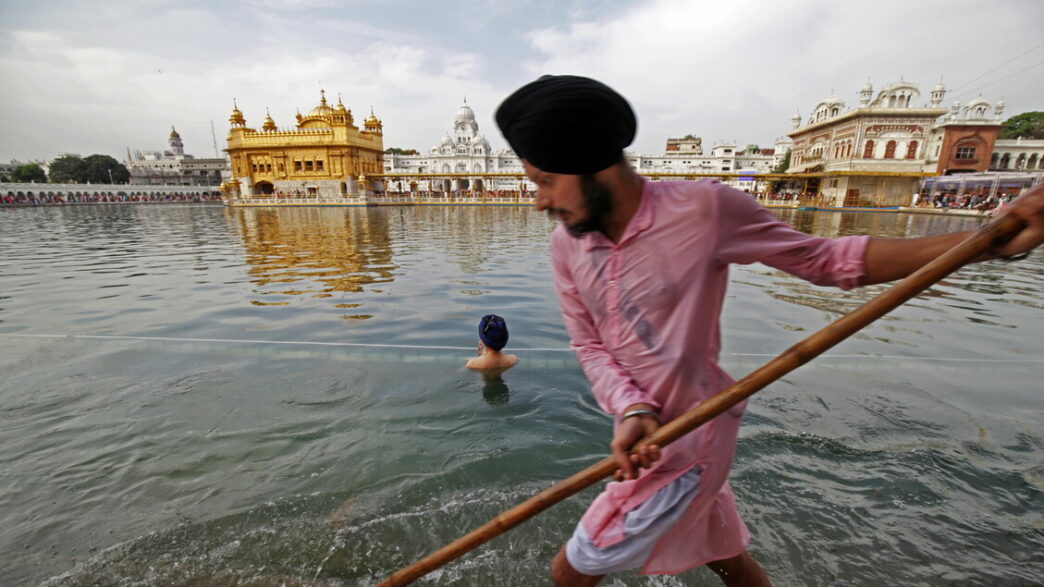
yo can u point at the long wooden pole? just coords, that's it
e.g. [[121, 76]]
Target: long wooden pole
[[986, 238]]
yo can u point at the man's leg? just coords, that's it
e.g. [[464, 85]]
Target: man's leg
[[564, 575], [740, 571]]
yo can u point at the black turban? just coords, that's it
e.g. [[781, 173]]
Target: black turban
[[567, 124]]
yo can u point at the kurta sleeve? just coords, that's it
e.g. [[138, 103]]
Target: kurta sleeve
[[611, 385], [749, 233]]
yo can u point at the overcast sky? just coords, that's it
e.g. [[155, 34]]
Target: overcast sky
[[98, 77]]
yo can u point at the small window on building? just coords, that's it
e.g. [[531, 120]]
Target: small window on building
[[253, 167], [309, 165], [297, 166], [965, 152], [319, 165], [868, 151], [890, 150], [911, 150]]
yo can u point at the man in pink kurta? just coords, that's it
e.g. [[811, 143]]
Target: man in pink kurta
[[640, 269], [642, 315]]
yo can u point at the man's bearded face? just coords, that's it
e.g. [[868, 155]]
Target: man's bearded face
[[598, 205]]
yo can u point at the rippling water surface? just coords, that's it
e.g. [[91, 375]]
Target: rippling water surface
[[161, 421]]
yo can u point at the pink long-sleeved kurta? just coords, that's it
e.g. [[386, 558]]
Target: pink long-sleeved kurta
[[642, 315]]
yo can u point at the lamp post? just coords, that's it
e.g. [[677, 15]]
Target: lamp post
[[110, 177]]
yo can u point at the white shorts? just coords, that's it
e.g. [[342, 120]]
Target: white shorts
[[643, 527]]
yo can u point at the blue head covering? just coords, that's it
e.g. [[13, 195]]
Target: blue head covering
[[493, 331]]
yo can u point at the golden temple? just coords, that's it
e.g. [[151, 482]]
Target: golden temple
[[325, 158]]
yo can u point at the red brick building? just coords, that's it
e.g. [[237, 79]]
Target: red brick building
[[964, 143]]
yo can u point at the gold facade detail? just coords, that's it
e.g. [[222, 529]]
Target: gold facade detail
[[325, 156]]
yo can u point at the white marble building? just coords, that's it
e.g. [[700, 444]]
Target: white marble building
[[462, 151], [174, 167], [465, 151], [724, 158], [1018, 155]]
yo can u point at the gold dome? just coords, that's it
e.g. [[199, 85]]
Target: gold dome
[[373, 124], [323, 109], [268, 124], [342, 114], [174, 134], [236, 119]]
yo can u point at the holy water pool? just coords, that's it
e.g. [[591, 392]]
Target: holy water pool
[[161, 421]]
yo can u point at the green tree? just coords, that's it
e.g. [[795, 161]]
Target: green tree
[[782, 167], [1028, 125], [67, 169], [398, 151], [28, 172], [103, 169]]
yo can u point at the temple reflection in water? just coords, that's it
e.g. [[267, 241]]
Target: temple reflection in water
[[351, 253], [313, 252]]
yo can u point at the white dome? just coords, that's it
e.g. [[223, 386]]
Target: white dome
[[901, 85], [465, 114], [447, 141]]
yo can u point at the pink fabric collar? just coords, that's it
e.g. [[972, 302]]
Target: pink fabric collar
[[640, 222]]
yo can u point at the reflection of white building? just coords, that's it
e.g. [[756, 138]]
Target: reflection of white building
[[174, 167], [462, 151]]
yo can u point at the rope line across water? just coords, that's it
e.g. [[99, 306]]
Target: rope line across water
[[469, 348]]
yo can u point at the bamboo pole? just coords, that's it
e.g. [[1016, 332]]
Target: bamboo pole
[[986, 238]]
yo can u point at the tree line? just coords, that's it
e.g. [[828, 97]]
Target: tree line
[[72, 169]]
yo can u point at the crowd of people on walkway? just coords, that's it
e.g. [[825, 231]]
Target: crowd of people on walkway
[[973, 201], [12, 199], [456, 194]]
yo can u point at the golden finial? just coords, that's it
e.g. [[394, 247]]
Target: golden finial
[[269, 124], [322, 97], [236, 118]]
